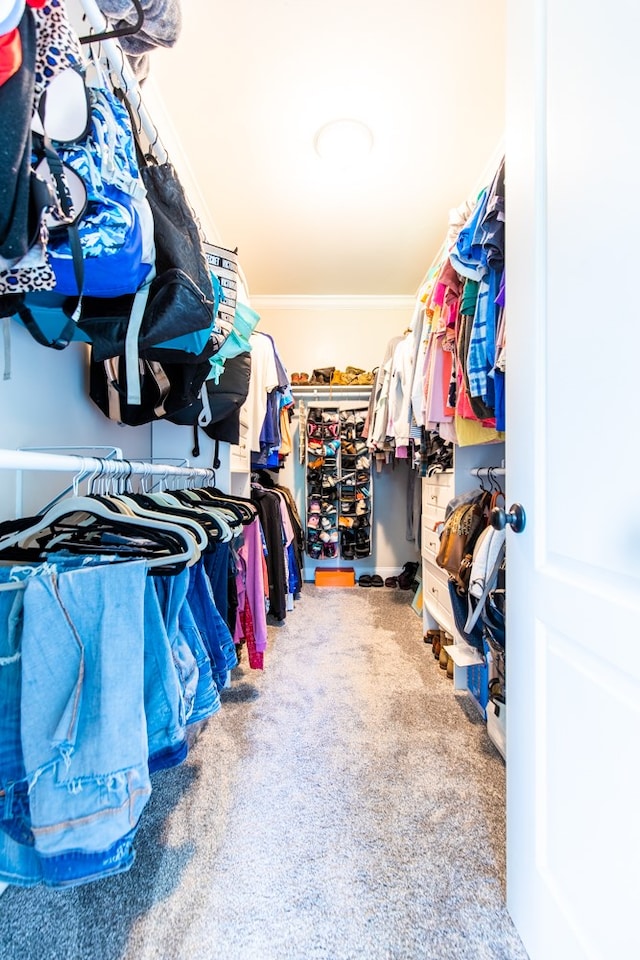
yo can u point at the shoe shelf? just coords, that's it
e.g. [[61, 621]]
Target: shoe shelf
[[338, 485]]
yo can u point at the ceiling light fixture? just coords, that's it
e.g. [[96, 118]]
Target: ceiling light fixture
[[343, 142]]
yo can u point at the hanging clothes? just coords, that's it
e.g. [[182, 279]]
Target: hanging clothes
[[152, 650]]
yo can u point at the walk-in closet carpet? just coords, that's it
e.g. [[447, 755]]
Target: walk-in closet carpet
[[344, 804]]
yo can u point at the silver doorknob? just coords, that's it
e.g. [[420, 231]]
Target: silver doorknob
[[516, 518]]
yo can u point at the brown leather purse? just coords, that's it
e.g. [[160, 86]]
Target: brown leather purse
[[459, 534]]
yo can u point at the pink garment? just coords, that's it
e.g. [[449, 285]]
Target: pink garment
[[450, 279], [251, 554], [439, 294], [256, 657], [435, 411], [447, 368], [244, 621], [289, 533], [241, 590], [464, 408]]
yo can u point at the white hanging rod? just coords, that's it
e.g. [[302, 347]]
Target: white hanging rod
[[489, 472], [26, 460], [329, 392], [119, 64]]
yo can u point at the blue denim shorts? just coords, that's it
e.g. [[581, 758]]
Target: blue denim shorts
[[214, 631], [207, 700], [170, 671], [15, 819], [84, 734], [216, 565], [19, 863]]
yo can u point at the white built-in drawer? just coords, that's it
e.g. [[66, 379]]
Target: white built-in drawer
[[444, 479], [430, 540], [436, 494], [435, 594], [432, 515]]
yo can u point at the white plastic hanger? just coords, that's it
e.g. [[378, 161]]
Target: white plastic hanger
[[71, 505], [199, 533]]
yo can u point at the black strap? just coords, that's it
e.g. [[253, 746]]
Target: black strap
[[56, 168], [126, 30], [63, 339], [195, 452]]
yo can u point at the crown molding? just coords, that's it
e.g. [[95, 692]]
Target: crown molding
[[332, 302]]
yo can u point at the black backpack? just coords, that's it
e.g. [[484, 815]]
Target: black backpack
[[180, 302], [168, 390], [225, 398]]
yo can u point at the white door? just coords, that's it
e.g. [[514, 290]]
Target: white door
[[573, 283]]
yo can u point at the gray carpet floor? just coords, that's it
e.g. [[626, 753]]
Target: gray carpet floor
[[344, 804]]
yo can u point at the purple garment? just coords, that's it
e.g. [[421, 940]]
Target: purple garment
[[251, 555], [270, 434], [283, 376]]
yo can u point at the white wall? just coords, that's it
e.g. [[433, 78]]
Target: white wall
[[345, 331], [46, 403], [332, 331]]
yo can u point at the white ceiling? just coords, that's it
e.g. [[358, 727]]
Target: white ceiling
[[248, 85]]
